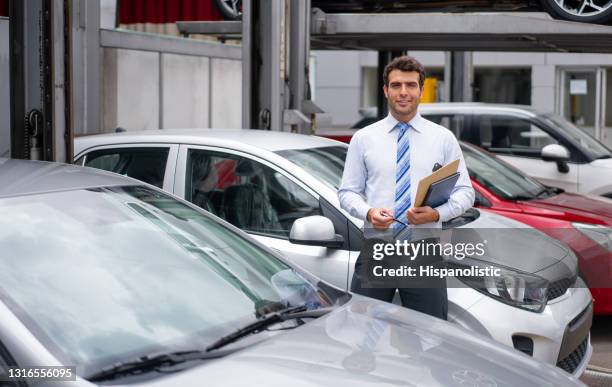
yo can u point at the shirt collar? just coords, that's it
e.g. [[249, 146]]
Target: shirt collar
[[416, 122]]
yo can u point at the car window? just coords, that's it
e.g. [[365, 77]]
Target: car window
[[512, 135], [246, 193], [456, 123], [145, 164]]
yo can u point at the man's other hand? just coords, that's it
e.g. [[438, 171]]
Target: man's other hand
[[381, 218], [422, 215]]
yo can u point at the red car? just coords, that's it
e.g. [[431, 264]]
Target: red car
[[583, 222]]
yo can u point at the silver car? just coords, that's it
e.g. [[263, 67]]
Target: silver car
[[281, 189], [114, 281]]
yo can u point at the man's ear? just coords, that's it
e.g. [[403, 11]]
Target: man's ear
[[385, 91]]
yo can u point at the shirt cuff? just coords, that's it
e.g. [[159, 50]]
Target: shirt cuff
[[444, 213], [361, 211]]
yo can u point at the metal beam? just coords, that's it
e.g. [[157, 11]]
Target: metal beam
[[457, 31], [262, 63], [247, 67], [299, 48], [222, 28], [461, 76], [85, 62], [132, 40], [31, 44], [384, 57]]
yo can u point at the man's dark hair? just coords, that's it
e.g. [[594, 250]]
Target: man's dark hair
[[404, 63]]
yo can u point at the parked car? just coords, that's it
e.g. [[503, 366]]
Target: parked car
[[270, 184], [543, 145], [583, 222], [130, 285]]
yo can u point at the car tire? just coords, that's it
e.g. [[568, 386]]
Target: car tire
[[230, 9], [572, 11]]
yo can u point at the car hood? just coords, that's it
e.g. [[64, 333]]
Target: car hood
[[581, 205], [367, 342], [602, 163], [513, 244]]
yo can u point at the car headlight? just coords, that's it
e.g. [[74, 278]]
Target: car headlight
[[601, 235], [519, 289]]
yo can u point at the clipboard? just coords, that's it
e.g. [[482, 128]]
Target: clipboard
[[426, 182]]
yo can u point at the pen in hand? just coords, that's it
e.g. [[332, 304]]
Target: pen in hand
[[387, 215]]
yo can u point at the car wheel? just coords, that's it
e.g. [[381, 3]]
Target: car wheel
[[230, 9], [588, 11]]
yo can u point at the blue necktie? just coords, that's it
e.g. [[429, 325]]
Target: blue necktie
[[402, 176]]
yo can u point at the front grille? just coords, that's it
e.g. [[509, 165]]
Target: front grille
[[573, 360], [558, 288]]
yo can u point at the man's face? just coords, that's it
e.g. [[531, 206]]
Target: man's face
[[403, 92]]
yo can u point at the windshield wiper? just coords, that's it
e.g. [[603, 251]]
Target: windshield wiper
[[522, 197], [269, 319], [150, 363], [549, 191]]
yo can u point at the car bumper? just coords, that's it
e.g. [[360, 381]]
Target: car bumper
[[560, 333]]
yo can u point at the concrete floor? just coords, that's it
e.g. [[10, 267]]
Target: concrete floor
[[599, 373]]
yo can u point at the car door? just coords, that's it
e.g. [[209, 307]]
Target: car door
[[259, 198], [519, 141], [151, 163]]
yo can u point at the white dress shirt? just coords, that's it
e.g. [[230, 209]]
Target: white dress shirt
[[368, 180]]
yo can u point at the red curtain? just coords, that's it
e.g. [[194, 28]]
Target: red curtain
[[4, 7], [167, 11]]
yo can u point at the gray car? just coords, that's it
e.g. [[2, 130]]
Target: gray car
[[130, 285]]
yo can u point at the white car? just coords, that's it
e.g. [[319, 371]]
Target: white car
[[543, 145], [270, 184]]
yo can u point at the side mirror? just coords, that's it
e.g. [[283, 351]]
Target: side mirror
[[315, 231], [557, 153]]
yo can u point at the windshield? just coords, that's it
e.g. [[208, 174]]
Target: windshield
[[325, 163], [499, 177], [593, 148], [104, 275]]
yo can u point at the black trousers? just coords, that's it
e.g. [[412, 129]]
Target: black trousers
[[431, 301]]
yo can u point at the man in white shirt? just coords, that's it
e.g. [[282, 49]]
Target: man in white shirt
[[384, 164]]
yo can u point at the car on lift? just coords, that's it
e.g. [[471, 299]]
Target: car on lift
[[588, 11], [582, 222], [282, 189]]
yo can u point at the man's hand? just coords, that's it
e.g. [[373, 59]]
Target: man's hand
[[421, 215], [381, 218]]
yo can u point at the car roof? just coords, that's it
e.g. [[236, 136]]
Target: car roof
[[479, 107], [26, 177], [263, 139]]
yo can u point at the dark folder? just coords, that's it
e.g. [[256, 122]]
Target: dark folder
[[439, 192]]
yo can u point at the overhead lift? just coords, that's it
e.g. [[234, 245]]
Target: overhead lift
[[393, 33]]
